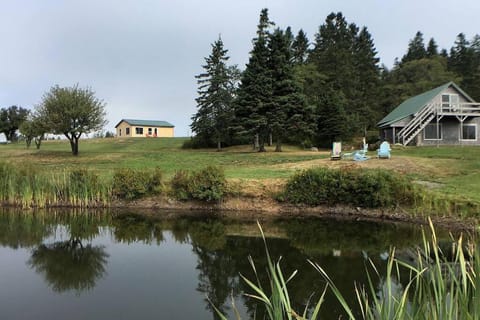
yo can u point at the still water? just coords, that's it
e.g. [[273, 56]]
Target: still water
[[110, 265]]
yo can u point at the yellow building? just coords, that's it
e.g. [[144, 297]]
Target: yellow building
[[144, 128]]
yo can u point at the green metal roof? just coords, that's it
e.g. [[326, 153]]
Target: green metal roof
[[147, 123], [416, 103], [412, 105]]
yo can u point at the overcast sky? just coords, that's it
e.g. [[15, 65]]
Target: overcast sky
[[141, 56]]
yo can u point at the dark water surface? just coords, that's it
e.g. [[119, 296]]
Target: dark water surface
[[77, 265]]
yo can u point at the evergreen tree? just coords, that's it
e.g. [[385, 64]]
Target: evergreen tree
[[365, 104], [416, 49], [333, 119], [346, 57], [461, 56], [255, 91], [333, 51], [464, 61], [432, 48], [474, 85], [287, 114], [444, 53], [300, 48], [215, 98]]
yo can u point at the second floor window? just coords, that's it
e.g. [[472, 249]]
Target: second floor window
[[449, 101]]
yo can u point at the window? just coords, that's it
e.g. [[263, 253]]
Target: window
[[430, 132], [127, 131], [119, 132], [149, 131], [469, 132], [449, 101], [139, 130]]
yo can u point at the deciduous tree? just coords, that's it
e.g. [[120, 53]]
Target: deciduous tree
[[10, 120], [72, 111], [33, 129]]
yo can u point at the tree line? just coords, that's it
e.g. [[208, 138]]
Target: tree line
[[314, 92]]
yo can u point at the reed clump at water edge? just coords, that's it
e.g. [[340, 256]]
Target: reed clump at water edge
[[435, 285]]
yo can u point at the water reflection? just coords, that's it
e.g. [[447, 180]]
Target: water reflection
[[218, 248], [69, 265]]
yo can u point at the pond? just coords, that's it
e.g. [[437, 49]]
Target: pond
[[127, 265]]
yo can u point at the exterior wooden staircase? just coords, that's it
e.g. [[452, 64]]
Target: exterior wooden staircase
[[418, 123]]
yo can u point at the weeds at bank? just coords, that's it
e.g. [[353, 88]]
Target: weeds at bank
[[28, 187], [208, 184], [371, 188], [438, 285], [25, 186]]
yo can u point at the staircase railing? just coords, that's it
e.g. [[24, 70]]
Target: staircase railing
[[418, 123]]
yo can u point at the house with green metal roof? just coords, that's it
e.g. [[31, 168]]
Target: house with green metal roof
[[445, 115], [144, 128]]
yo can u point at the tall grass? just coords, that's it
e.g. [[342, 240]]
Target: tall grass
[[439, 285], [436, 285], [26, 186]]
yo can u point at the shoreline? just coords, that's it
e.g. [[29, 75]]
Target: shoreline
[[265, 208], [248, 208]]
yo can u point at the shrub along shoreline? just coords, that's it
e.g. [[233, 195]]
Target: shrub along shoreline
[[361, 192]]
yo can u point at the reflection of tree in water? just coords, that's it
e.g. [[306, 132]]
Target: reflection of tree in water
[[69, 265], [130, 228], [324, 236], [217, 272], [20, 230]]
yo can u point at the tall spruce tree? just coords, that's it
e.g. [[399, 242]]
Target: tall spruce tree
[[255, 91], [214, 102], [432, 48], [287, 114], [464, 60], [300, 48], [416, 49], [365, 104], [346, 57]]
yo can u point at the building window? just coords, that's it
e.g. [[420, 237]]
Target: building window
[[127, 131], [430, 132], [469, 132], [450, 101], [119, 132], [149, 131], [139, 130]]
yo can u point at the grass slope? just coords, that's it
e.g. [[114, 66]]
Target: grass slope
[[104, 155], [455, 170]]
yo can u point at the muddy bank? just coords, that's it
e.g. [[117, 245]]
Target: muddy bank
[[264, 208]]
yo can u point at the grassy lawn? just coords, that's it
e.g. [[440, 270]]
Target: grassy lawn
[[459, 173], [104, 155], [454, 170]]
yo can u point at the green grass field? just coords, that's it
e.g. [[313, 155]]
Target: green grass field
[[455, 170], [104, 155]]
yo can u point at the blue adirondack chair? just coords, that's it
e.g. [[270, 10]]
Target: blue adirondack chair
[[384, 151]]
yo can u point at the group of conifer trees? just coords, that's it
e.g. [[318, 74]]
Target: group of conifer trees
[[311, 93]]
